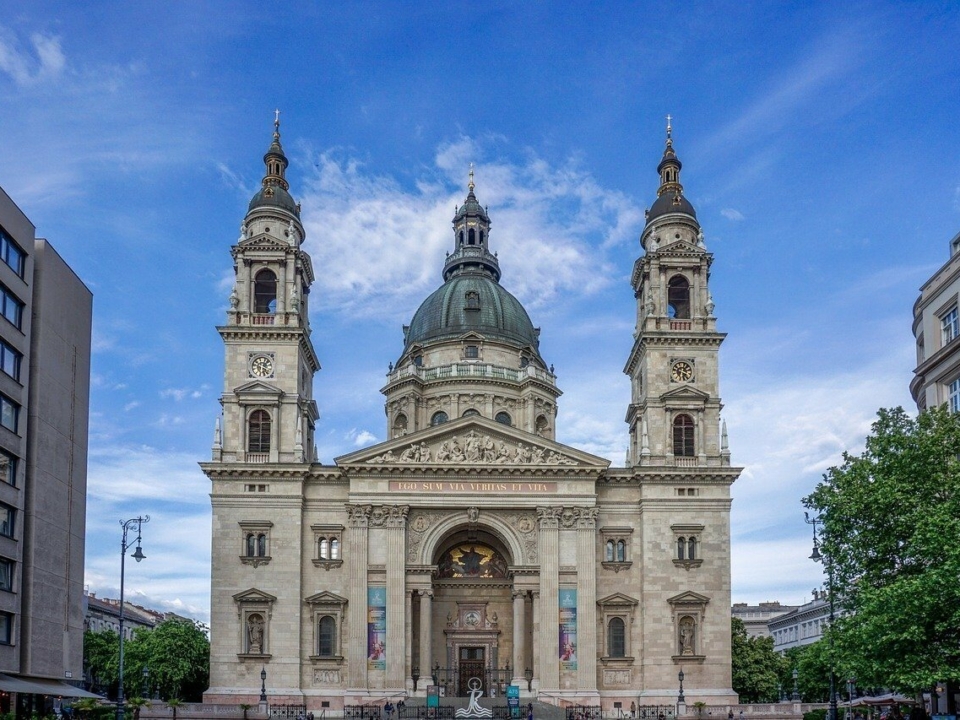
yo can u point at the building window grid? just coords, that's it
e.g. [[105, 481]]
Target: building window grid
[[10, 360], [7, 520], [8, 468], [950, 324], [6, 628], [955, 396], [11, 254], [6, 574], [11, 307]]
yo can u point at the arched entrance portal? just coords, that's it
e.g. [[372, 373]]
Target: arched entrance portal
[[471, 623]]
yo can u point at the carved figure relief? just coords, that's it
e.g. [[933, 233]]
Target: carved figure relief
[[255, 634], [478, 449], [687, 630]]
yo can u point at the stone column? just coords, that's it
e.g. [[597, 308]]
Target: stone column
[[549, 670], [426, 633], [535, 660], [356, 552], [519, 637], [282, 291], [395, 520], [587, 599], [408, 659]]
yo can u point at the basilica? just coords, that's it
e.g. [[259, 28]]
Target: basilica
[[471, 549]]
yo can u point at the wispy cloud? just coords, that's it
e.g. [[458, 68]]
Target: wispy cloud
[[41, 62], [732, 214], [381, 243]]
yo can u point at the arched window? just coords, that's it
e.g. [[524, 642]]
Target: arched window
[[334, 549], [461, 237], [261, 545], [324, 549], [616, 646], [683, 436], [473, 300], [481, 237], [258, 435], [621, 551], [471, 237], [681, 548], [541, 425], [438, 418], [678, 297], [609, 550], [400, 425], [504, 418], [251, 545], [692, 549], [265, 292], [470, 413], [327, 637]]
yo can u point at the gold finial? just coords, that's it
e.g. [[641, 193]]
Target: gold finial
[[669, 128], [470, 184]]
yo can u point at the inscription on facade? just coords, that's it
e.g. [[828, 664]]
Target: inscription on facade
[[446, 486]]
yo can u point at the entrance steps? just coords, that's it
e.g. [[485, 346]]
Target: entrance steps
[[541, 711]]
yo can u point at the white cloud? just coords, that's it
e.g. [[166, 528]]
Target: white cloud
[[119, 474], [732, 214], [361, 438], [180, 394], [381, 244], [131, 405], [45, 62]]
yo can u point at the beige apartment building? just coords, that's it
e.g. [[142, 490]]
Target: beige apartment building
[[44, 400], [936, 326], [471, 548]]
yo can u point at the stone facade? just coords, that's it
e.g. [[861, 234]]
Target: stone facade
[[470, 544], [936, 327]]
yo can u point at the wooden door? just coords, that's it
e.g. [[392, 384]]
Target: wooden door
[[472, 665]]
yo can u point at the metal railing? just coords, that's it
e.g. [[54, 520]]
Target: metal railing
[[656, 712], [287, 711], [421, 712], [495, 683], [363, 712]]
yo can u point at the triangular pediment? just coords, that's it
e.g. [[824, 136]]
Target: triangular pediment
[[617, 599], [264, 242], [680, 246], [258, 387], [254, 596], [472, 335], [325, 598], [689, 598], [685, 392], [472, 441]]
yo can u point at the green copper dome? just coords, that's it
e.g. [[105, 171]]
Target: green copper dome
[[472, 302]]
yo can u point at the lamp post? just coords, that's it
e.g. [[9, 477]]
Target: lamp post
[[415, 674], [851, 687], [680, 698], [146, 682], [816, 556], [796, 690], [263, 685], [528, 674], [138, 555]]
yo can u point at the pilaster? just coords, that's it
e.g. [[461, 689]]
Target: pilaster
[[548, 518], [356, 545]]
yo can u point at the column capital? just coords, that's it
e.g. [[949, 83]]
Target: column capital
[[426, 594], [549, 517], [519, 594], [394, 516], [359, 515]]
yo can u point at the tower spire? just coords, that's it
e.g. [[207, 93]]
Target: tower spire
[[669, 167], [275, 161], [471, 233]]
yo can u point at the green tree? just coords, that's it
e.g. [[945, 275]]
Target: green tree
[[891, 537], [756, 667]]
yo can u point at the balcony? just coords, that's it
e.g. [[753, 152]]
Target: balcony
[[685, 462], [258, 458], [681, 324], [473, 370], [263, 319]]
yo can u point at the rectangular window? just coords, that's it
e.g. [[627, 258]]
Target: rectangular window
[[7, 517], [11, 307], [955, 396], [9, 413], [11, 253], [8, 468], [10, 360], [472, 351], [950, 325], [6, 629], [6, 574]]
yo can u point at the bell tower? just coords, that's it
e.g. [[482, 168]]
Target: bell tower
[[674, 414], [268, 409]]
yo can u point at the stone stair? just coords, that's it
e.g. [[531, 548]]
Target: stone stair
[[541, 711]]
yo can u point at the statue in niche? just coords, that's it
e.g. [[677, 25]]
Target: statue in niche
[[686, 636], [255, 634]]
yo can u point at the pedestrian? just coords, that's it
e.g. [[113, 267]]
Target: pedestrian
[[633, 709], [529, 711], [730, 714], [741, 715]]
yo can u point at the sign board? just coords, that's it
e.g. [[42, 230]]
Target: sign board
[[433, 696], [513, 691]]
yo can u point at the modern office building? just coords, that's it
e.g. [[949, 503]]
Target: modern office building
[[471, 547], [44, 402], [936, 326]]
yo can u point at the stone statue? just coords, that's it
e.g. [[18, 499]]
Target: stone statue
[[255, 634], [234, 299], [686, 636], [424, 453]]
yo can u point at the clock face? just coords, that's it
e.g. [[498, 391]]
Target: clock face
[[261, 366], [682, 372]]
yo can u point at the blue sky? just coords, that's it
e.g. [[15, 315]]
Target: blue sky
[[820, 144]]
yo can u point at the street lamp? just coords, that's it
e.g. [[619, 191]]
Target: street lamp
[[263, 685], [146, 682], [796, 690], [138, 555], [816, 556], [415, 674], [680, 698], [528, 674], [851, 686]]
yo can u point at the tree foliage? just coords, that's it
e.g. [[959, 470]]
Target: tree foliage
[[176, 652], [891, 538], [756, 667]]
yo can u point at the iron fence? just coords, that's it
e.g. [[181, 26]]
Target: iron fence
[[363, 712], [584, 712], [419, 712], [495, 683], [656, 712], [287, 712]]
